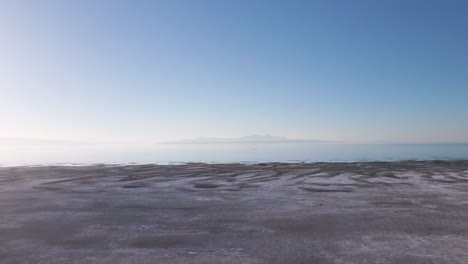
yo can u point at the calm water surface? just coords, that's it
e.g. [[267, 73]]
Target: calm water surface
[[264, 152]]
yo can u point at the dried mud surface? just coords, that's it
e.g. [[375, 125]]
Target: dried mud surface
[[370, 212]]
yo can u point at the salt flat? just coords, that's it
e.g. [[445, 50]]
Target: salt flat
[[376, 212]]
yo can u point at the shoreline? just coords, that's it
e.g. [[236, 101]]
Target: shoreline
[[171, 163]]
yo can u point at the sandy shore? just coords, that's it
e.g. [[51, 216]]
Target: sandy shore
[[397, 212]]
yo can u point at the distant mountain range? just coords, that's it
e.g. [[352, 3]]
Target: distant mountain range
[[243, 140], [7, 141]]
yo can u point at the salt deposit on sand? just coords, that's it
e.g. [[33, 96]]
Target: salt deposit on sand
[[396, 212]]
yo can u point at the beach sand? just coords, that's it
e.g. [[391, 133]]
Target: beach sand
[[367, 212]]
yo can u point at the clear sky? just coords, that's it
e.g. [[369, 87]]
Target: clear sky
[[393, 70]]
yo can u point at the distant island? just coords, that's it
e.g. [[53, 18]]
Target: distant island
[[244, 140]]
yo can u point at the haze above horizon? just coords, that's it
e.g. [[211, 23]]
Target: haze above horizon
[[151, 71]]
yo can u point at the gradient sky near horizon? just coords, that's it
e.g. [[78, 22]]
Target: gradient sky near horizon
[[124, 71]]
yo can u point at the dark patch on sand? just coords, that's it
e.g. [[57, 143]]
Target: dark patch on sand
[[206, 185], [325, 190], [135, 185]]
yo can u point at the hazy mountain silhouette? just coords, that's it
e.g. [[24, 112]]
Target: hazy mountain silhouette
[[241, 140], [7, 141]]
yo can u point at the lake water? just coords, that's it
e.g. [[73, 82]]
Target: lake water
[[216, 153]]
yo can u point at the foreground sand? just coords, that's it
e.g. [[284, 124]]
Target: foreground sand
[[401, 212]]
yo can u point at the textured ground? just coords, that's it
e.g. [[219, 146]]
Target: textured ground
[[399, 212]]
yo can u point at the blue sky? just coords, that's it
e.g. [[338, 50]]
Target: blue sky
[[355, 71]]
